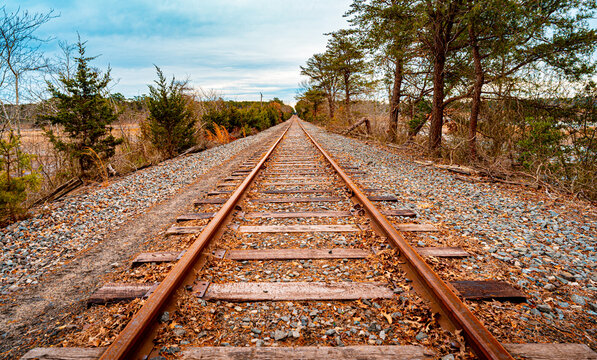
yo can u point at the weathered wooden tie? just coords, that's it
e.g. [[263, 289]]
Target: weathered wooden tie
[[296, 291], [115, 292], [555, 351], [157, 257], [297, 254], [181, 230], [297, 214], [300, 199], [297, 228], [210, 201], [416, 227], [195, 216]]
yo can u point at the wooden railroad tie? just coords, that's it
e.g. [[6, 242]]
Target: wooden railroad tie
[[227, 183], [305, 291], [297, 191], [299, 199], [210, 201], [195, 216], [294, 254], [181, 230], [298, 228], [531, 351]]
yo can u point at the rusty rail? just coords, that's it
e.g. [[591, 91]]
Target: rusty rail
[[451, 307], [130, 337]]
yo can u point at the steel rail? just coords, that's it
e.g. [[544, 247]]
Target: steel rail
[[484, 344], [128, 339]]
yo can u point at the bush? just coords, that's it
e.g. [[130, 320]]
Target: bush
[[170, 126], [541, 143], [16, 178]]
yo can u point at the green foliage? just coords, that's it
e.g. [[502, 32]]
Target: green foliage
[[235, 116], [16, 178], [541, 142], [422, 111], [170, 126], [308, 105], [84, 114]]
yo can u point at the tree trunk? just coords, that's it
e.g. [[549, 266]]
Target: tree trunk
[[347, 97], [437, 112], [331, 106], [477, 88], [17, 106], [395, 100]]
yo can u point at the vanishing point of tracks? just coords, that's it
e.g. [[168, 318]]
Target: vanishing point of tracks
[[292, 210]]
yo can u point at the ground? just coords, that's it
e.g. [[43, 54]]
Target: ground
[[543, 244]]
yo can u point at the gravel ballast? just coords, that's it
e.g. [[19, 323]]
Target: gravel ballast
[[58, 231], [539, 243]]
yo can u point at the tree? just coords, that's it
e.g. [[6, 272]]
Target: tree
[[84, 113], [442, 27], [323, 76], [507, 36], [388, 31], [348, 61], [170, 125], [309, 102], [19, 54]]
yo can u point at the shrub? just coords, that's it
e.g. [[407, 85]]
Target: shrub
[[170, 126], [16, 178]]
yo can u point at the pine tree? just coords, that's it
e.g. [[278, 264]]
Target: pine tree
[[170, 125], [84, 114]]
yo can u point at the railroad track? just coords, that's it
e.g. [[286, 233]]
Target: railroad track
[[294, 256]]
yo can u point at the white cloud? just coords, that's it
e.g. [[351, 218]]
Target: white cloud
[[238, 47]]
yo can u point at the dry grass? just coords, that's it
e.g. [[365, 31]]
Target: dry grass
[[220, 135]]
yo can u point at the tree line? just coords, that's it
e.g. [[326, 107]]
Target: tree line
[[493, 65]]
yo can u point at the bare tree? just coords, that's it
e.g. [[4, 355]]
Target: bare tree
[[19, 54]]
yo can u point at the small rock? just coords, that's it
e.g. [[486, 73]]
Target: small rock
[[330, 332], [544, 308], [339, 341], [421, 336], [256, 331], [448, 357], [280, 335], [170, 350], [373, 327], [578, 299], [566, 275], [396, 315], [179, 332], [165, 317]]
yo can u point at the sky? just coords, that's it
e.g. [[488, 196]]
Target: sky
[[238, 48]]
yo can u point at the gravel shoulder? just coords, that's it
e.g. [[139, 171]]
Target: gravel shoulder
[[54, 260], [545, 246]]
